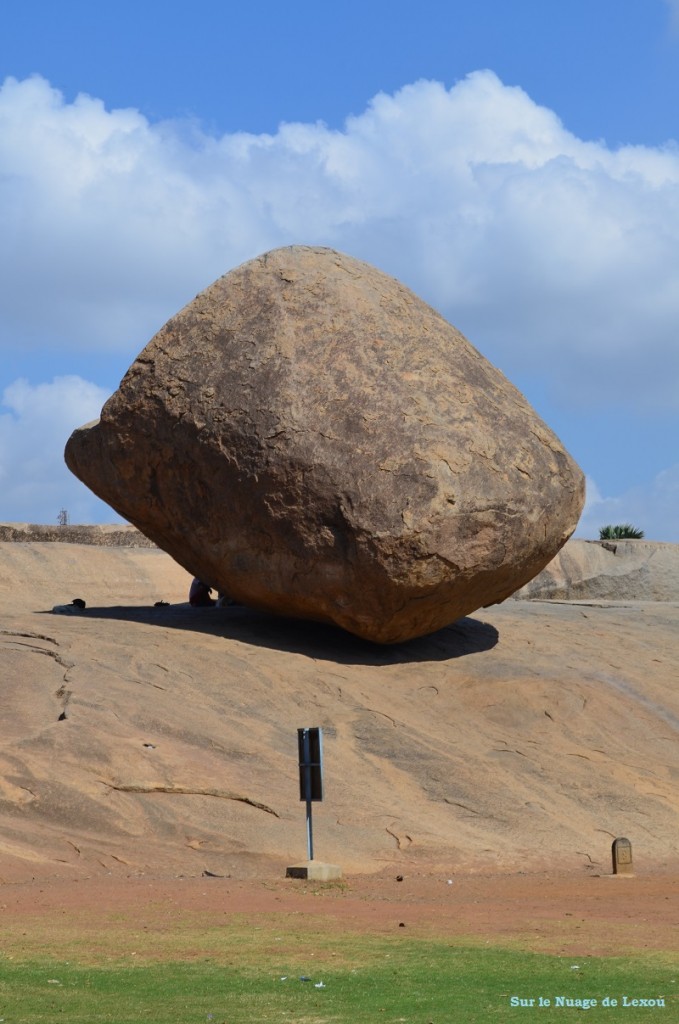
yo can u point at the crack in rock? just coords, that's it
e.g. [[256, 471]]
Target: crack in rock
[[175, 790], [16, 642]]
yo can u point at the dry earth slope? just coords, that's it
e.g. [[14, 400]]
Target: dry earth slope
[[532, 732]]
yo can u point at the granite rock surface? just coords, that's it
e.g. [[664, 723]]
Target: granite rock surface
[[608, 570], [310, 437]]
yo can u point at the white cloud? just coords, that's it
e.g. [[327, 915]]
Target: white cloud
[[653, 508], [553, 254], [674, 14], [557, 257], [35, 422]]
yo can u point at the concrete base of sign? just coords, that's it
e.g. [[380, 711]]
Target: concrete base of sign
[[315, 871]]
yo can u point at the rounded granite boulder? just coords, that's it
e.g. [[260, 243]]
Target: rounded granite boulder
[[312, 438]]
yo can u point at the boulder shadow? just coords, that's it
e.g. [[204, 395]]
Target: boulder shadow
[[313, 639]]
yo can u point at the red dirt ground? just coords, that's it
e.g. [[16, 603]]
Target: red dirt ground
[[577, 915]]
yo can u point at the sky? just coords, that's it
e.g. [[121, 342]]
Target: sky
[[515, 164]]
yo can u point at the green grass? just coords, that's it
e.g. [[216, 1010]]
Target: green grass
[[389, 980]]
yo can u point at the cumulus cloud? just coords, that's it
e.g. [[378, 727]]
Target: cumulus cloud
[[556, 256], [552, 254], [35, 422]]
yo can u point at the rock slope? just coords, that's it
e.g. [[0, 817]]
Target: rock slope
[[614, 570], [163, 739]]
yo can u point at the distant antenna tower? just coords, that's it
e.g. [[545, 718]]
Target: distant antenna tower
[[62, 518]]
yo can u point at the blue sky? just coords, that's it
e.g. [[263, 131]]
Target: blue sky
[[516, 164]]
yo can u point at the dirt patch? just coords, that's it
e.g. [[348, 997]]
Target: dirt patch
[[182, 918]]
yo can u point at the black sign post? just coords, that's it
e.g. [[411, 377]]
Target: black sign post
[[310, 746]]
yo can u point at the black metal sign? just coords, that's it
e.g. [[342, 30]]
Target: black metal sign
[[310, 745]]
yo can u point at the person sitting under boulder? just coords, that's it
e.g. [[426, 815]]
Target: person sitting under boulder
[[76, 605], [199, 595]]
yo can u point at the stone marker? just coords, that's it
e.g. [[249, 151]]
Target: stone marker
[[314, 440], [621, 850]]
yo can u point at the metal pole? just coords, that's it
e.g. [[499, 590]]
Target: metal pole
[[309, 832], [307, 794]]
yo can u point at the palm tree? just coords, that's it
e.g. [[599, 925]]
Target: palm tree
[[625, 531]]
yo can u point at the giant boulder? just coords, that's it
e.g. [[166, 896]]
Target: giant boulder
[[312, 438]]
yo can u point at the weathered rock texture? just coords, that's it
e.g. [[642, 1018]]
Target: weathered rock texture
[[608, 570], [102, 536], [314, 439]]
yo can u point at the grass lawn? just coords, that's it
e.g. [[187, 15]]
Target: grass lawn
[[257, 976]]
